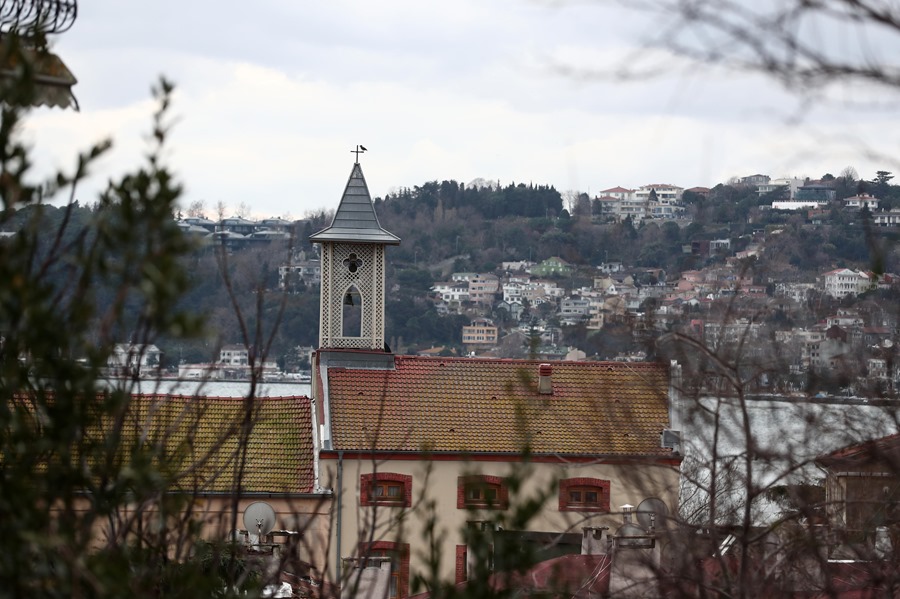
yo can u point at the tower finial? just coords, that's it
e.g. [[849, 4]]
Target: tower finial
[[359, 150]]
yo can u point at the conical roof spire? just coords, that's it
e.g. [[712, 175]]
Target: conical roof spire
[[355, 220]]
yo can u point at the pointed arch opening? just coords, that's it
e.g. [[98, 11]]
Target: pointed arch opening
[[351, 317]]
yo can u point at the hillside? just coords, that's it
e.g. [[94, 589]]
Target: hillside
[[447, 227]]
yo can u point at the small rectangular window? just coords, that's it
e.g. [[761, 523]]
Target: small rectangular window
[[388, 491], [584, 495], [480, 491], [479, 494], [482, 494]]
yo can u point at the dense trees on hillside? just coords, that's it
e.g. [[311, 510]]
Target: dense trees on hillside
[[452, 235], [489, 202], [447, 227]]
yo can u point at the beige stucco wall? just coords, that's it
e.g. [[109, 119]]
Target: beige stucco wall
[[437, 481], [309, 515]]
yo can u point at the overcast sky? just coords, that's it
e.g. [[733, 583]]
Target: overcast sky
[[273, 95]]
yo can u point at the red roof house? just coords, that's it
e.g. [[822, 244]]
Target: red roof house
[[469, 439]]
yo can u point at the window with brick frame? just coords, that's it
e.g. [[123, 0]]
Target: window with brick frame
[[482, 491], [385, 488], [399, 555], [584, 495]]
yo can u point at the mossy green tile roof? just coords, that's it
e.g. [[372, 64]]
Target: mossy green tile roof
[[211, 443], [494, 406]]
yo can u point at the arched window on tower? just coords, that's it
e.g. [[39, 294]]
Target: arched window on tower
[[352, 313]]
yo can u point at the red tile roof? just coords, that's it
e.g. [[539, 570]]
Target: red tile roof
[[571, 576], [476, 405], [199, 439], [885, 449]]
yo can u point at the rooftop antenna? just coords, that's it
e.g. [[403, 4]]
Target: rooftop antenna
[[359, 150]]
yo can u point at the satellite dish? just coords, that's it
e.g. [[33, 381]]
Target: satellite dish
[[259, 518], [652, 505]]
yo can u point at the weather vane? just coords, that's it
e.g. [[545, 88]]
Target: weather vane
[[359, 150]]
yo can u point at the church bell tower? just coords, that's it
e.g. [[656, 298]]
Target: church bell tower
[[351, 306]]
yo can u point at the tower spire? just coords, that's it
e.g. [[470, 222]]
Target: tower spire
[[353, 269]]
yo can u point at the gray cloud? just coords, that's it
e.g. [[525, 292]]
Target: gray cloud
[[273, 96]]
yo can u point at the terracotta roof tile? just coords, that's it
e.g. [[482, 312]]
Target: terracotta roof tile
[[885, 449], [493, 406]]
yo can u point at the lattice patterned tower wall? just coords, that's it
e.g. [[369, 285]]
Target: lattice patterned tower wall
[[348, 266]]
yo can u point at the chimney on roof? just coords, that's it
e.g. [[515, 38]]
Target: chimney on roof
[[591, 538], [545, 379]]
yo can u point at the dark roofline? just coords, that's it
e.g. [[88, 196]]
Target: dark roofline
[[327, 493], [609, 364], [665, 456]]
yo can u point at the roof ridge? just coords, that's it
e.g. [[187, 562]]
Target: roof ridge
[[228, 398], [530, 361]]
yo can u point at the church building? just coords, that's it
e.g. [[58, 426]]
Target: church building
[[403, 441]]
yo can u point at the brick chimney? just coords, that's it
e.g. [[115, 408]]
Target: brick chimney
[[545, 379]]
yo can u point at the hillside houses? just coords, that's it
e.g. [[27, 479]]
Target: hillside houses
[[481, 334], [887, 218], [452, 292], [842, 282], [656, 200], [816, 200], [237, 233], [724, 303], [731, 225], [581, 285], [305, 269], [860, 201], [488, 289], [553, 266], [784, 187], [483, 288]]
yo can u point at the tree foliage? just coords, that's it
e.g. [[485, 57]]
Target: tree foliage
[[73, 290]]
